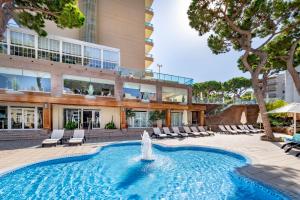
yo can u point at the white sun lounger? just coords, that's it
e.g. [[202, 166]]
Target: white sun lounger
[[78, 137], [223, 129], [188, 131], [251, 127], [202, 129], [168, 132], [236, 129], [176, 130], [157, 133], [247, 128], [230, 130], [195, 130], [56, 136], [243, 129]]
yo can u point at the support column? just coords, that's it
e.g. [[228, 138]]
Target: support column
[[123, 118], [159, 93], [47, 120], [190, 95], [56, 84], [202, 118], [168, 118], [118, 89]]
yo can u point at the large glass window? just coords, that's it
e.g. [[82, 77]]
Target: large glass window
[[140, 120], [26, 117], [139, 91], [83, 118], [48, 49], [86, 86], [71, 53], [3, 117], [26, 80], [110, 59], [3, 44], [170, 94], [92, 57], [22, 44], [176, 118]]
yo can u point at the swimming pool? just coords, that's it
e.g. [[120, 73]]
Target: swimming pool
[[116, 172]]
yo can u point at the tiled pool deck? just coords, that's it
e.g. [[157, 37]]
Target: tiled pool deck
[[269, 163]]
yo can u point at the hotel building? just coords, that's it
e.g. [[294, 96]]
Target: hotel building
[[90, 76]]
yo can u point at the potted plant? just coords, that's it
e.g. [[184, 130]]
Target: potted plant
[[129, 116], [156, 118]]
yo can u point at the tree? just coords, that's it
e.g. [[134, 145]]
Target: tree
[[33, 13], [237, 86], [235, 24]]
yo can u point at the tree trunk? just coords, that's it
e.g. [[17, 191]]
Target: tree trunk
[[262, 108], [5, 15], [295, 76]]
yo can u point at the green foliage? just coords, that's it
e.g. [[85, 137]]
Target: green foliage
[[156, 115], [129, 113], [278, 119], [247, 96], [111, 124], [237, 86], [33, 13], [71, 125]]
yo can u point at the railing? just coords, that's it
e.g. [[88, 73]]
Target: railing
[[26, 43], [148, 55], [222, 101], [148, 24], [149, 9], [150, 75], [149, 40]]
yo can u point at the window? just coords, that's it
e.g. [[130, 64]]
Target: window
[[176, 118], [110, 59], [139, 91], [86, 119], [140, 120], [92, 57], [170, 94], [71, 53], [3, 117], [3, 44], [22, 44], [86, 86], [26, 80], [48, 49], [26, 117]]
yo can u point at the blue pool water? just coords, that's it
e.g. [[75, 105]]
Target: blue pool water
[[117, 172]]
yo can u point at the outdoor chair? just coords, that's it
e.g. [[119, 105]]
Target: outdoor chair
[[251, 130], [241, 127], [78, 138], [291, 142], [195, 130], [168, 132], [176, 130], [202, 129], [56, 136], [223, 129], [251, 127], [188, 131], [157, 133], [230, 130], [238, 130]]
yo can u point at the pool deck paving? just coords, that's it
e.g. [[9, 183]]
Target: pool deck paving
[[269, 163]]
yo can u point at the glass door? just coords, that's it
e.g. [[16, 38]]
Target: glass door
[[140, 120], [176, 118], [87, 119], [96, 119], [16, 118], [28, 114]]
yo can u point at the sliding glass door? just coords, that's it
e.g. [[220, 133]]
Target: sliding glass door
[[84, 118], [25, 117]]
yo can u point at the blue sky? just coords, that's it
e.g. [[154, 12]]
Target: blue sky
[[181, 51]]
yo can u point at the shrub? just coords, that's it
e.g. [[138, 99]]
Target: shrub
[[278, 119], [70, 125], [111, 124]]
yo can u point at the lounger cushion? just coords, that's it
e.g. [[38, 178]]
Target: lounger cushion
[[50, 141]]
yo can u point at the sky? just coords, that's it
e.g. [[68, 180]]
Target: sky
[[182, 51]]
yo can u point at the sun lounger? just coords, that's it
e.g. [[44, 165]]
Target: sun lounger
[[243, 129], [230, 130], [292, 142], [202, 129], [251, 127], [195, 130], [56, 136], [251, 130], [238, 130], [168, 132], [176, 130], [158, 134], [223, 129], [78, 138], [188, 131]]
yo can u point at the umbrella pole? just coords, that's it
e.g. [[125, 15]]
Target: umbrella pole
[[295, 123]]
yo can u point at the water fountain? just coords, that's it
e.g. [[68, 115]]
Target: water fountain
[[146, 147]]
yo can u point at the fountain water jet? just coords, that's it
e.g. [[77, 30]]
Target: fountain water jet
[[146, 147]]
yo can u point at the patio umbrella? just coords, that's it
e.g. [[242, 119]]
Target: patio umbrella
[[184, 118], [259, 120], [290, 108], [243, 118]]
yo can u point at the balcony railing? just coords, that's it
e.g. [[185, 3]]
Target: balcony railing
[[148, 24], [150, 75], [148, 55], [149, 9], [25, 43]]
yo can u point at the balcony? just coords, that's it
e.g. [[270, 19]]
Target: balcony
[[148, 29], [148, 59], [150, 75], [26, 43], [148, 45], [148, 14], [148, 3]]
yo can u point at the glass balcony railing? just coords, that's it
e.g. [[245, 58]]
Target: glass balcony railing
[[26, 43], [149, 40], [148, 55], [148, 24], [150, 75]]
